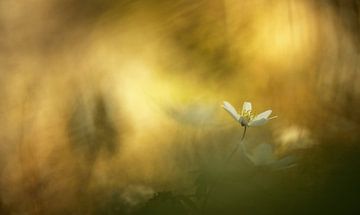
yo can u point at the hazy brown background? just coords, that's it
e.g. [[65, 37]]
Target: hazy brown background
[[104, 103]]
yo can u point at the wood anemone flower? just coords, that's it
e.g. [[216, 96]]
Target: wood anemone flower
[[247, 118]]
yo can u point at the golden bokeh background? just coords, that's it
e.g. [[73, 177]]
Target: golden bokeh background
[[110, 102]]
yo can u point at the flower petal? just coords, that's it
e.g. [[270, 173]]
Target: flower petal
[[246, 107], [231, 110], [262, 115], [258, 122]]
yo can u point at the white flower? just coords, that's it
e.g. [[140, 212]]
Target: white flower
[[247, 118]]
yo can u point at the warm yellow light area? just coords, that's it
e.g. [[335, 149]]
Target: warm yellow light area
[[285, 31]]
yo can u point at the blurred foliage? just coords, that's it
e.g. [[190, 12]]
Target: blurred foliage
[[168, 203], [113, 107]]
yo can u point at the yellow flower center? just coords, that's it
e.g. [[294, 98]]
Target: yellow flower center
[[247, 115]]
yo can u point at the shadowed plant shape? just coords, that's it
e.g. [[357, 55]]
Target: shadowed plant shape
[[91, 134], [263, 155], [105, 130], [168, 203], [91, 129]]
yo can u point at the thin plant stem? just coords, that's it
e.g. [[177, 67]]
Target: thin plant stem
[[226, 160]]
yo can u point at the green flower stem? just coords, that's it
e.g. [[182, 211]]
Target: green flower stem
[[226, 161], [236, 147]]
